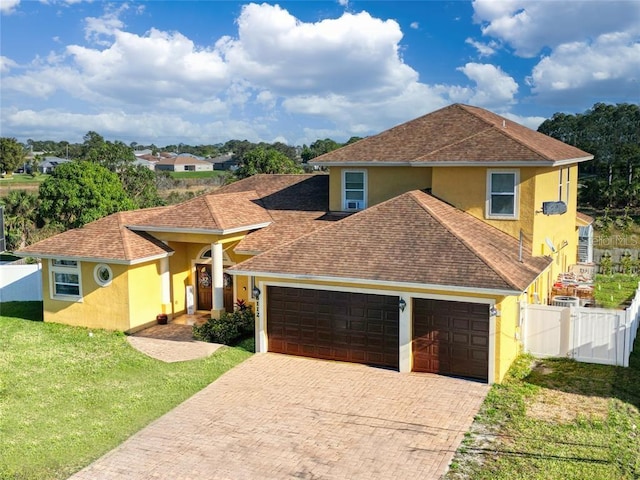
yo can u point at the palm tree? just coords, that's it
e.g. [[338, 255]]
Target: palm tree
[[20, 211]]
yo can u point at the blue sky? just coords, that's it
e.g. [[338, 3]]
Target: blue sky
[[201, 72]]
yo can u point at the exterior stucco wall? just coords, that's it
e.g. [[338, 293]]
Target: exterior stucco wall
[[180, 268], [145, 294], [100, 307], [383, 183], [508, 343], [561, 230], [466, 188]]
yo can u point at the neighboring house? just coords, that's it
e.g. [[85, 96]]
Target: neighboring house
[[418, 251], [223, 162], [143, 153], [184, 163], [143, 162], [49, 164]]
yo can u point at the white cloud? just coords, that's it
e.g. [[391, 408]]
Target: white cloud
[[415, 25], [96, 28], [530, 25], [484, 49], [7, 7], [6, 64], [494, 88], [353, 53], [612, 60], [345, 76], [531, 122]]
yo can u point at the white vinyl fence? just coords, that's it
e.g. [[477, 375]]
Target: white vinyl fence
[[591, 335], [20, 282]]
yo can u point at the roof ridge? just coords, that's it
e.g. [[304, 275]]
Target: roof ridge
[[469, 246], [211, 204], [504, 131], [121, 230], [444, 147]]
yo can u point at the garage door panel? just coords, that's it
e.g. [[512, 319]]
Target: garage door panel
[[333, 325], [451, 338]]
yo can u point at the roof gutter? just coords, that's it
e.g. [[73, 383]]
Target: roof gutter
[[376, 283], [115, 261], [455, 163]]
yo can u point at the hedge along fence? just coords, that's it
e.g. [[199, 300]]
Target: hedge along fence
[[617, 260]]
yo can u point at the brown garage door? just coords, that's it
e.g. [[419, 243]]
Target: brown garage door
[[350, 327], [451, 338]]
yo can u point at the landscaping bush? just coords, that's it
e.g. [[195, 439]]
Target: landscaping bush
[[227, 329]]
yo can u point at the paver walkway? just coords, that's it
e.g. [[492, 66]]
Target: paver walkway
[[173, 342], [278, 417]]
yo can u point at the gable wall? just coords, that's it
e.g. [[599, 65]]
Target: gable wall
[[383, 183]]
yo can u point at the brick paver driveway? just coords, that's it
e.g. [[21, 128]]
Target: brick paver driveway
[[277, 417]]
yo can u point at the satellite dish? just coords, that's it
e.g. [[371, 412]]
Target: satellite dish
[[550, 244]]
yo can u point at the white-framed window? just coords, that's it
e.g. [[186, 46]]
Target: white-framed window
[[66, 281], [103, 275], [502, 194], [354, 190], [564, 184]]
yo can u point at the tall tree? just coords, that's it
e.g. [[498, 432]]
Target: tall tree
[[20, 212], [140, 184], [612, 134], [317, 148], [81, 192], [11, 154], [266, 160]]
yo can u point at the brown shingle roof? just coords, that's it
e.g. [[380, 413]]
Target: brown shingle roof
[[583, 220], [210, 212], [457, 134], [297, 204], [107, 239], [413, 238]]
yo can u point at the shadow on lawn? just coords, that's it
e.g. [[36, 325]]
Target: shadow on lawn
[[590, 379], [25, 310]]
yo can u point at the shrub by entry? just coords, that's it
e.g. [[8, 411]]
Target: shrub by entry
[[229, 328]]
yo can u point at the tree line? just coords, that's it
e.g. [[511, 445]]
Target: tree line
[[612, 134], [102, 179]]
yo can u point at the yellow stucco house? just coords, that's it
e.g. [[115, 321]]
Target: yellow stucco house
[[417, 251]]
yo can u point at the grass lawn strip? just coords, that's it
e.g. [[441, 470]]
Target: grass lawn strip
[[556, 419], [615, 291], [67, 397]]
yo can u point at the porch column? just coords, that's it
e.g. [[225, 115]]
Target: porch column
[[217, 301], [165, 279], [405, 334]]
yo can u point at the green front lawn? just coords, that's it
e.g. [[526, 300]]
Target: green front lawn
[[20, 178], [68, 395], [556, 419], [183, 175]]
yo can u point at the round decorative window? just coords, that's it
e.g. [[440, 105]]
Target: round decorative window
[[103, 274]]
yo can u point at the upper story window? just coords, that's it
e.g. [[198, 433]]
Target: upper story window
[[502, 194], [354, 189], [65, 280], [564, 184]]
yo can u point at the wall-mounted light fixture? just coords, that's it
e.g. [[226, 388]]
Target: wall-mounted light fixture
[[256, 292], [494, 312], [402, 304]]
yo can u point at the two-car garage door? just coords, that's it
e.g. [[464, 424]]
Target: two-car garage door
[[449, 338], [351, 327]]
